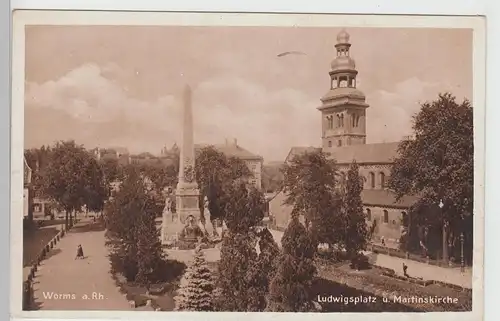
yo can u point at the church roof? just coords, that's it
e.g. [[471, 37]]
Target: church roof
[[380, 197], [380, 153]]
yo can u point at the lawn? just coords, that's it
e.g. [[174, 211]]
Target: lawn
[[34, 241], [373, 282]]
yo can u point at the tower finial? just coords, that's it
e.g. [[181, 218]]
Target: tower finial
[[343, 37]]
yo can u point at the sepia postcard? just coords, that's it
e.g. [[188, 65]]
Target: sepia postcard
[[288, 165]]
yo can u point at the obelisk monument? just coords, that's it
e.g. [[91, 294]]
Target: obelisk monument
[[187, 192]]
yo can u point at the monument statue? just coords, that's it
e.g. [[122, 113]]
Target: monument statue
[[177, 225], [191, 231]]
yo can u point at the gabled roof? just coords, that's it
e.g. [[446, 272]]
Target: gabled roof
[[379, 197], [380, 153]]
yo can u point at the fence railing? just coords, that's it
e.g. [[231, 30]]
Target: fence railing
[[28, 293]]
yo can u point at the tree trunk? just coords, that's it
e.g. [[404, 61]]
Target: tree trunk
[[66, 221]]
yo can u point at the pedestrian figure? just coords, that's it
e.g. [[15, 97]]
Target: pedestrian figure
[[382, 240], [405, 270], [79, 252]]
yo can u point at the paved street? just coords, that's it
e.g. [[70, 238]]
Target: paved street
[[63, 283]]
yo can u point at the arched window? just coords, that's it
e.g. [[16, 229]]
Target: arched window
[[386, 216], [404, 219], [329, 143], [338, 120], [368, 214], [339, 143], [353, 118], [342, 120], [357, 120], [330, 122], [382, 180], [372, 179]]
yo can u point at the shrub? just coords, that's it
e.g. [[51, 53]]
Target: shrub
[[195, 292], [360, 262], [289, 290]]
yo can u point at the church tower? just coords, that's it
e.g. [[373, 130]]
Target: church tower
[[343, 108]]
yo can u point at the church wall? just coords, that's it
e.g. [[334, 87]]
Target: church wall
[[366, 170], [390, 230]]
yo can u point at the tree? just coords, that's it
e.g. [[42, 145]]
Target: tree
[[67, 175], [214, 172], [438, 166], [310, 185], [196, 289], [121, 215], [238, 277], [96, 187], [130, 218], [266, 267], [290, 287], [149, 250], [356, 232]]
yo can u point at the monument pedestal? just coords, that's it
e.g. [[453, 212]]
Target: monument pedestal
[[187, 201]]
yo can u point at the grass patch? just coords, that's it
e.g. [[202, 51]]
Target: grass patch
[[34, 241], [373, 281]]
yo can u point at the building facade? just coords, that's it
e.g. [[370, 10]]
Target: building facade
[[343, 138]]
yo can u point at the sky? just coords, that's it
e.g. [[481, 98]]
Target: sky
[[122, 86]]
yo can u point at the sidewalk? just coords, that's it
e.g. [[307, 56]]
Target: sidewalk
[[63, 283]]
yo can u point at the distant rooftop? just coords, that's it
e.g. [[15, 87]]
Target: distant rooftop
[[232, 149]]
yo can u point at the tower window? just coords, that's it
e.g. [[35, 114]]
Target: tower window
[[330, 122], [372, 180], [386, 216]]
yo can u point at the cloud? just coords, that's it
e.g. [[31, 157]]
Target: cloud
[[389, 117], [90, 105]]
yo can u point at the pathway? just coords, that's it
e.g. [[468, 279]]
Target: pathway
[[63, 283], [423, 270]]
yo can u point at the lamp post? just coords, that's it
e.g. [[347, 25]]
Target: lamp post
[[462, 264]]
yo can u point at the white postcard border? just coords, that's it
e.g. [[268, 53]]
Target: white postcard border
[[22, 18]]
